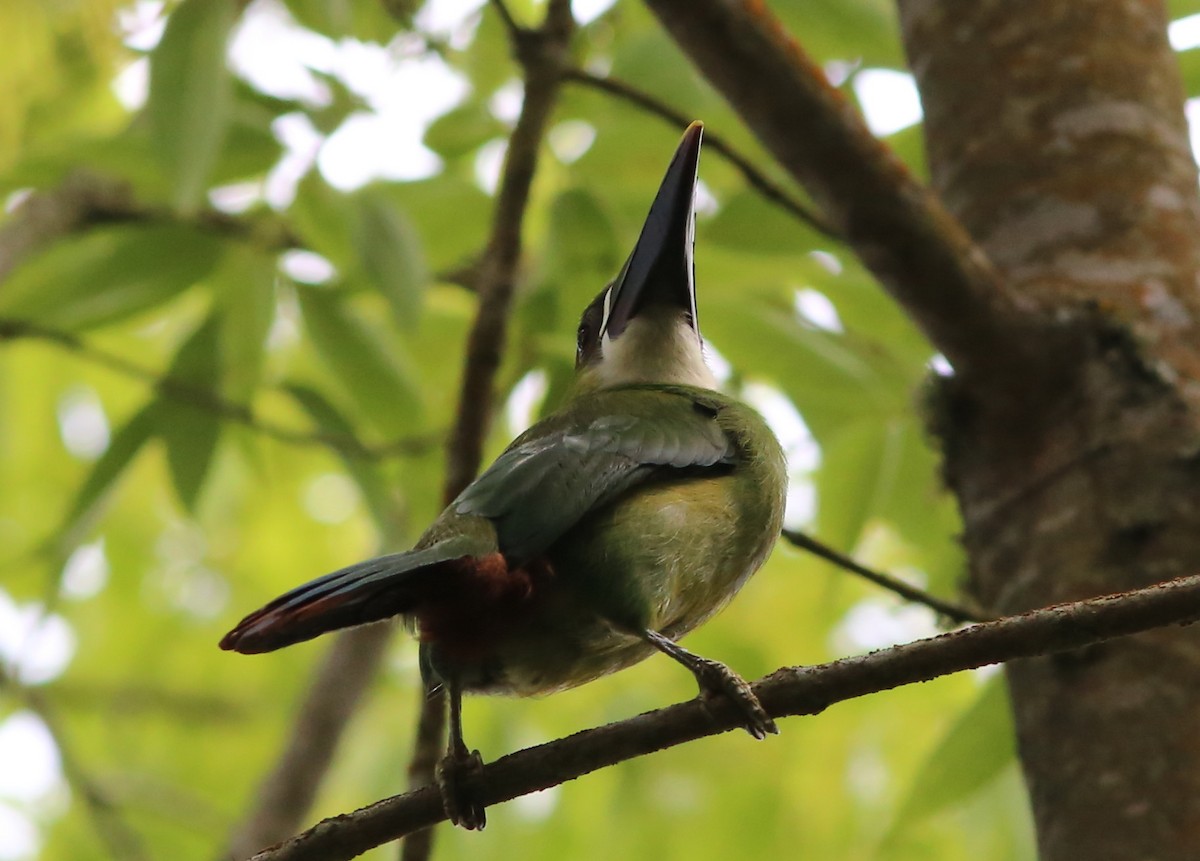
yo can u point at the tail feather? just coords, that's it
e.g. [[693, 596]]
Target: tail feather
[[368, 591]]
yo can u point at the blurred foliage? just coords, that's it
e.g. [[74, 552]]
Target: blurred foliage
[[184, 512]]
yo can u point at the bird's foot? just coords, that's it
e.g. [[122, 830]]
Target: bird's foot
[[456, 779], [717, 681]]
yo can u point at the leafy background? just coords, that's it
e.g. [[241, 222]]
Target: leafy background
[[240, 376]]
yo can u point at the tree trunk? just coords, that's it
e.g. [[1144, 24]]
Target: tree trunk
[[1056, 134]]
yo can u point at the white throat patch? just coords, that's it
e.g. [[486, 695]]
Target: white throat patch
[[656, 347]]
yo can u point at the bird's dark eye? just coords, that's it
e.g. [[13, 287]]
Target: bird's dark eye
[[587, 336]]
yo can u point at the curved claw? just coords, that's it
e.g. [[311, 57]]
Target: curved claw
[[718, 681], [455, 773]]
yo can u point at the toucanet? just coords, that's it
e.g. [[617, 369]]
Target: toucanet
[[602, 535]]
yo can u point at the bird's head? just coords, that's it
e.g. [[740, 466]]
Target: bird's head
[[642, 328]]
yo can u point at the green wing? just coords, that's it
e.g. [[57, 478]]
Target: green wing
[[596, 450]]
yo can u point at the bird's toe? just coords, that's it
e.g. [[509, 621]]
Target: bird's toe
[[718, 682], [456, 780]]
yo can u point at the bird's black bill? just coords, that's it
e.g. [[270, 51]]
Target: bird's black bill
[[660, 269]]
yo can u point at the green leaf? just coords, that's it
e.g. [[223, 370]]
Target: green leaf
[[191, 435], [191, 95], [859, 466], [372, 371], [343, 103], [908, 145], [1189, 68], [971, 754], [451, 217], [89, 501], [746, 222], [129, 156], [463, 130], [365, 21], [250, 147], [366, 474], [324, 218], [1182, 8], [489, 63], [391, 254], [108, 274], [863, 31], [654, 62], [190, 429], [828, 378], [582, 254], [245, 288]]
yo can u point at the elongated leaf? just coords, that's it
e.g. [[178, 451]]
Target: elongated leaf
[[450, 214], [341, 18], [463, 130], [88, 502], [250, 147], [390, 254], [191, 434], [582, 254], [858, 472], [246, 299], [371, 370], [325, 218], [191, 95], [829, 381], [863, 31], [974, 751], [190, 428], [365, 472], [489, 63], [654, 61], [747, 222], [108, 274]]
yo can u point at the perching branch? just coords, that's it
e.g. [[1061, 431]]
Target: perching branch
[[755, 178], [899, 229], [788, 691], [953, 612], [212, 401]]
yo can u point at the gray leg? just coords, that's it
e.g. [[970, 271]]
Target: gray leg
[[458, 767], [717, 680]]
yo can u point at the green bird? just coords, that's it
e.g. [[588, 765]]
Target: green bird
[[602, 535]]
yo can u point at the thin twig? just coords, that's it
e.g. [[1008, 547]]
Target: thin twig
[[759, 181], [953, 612], [541, 53], [210, 400], [786, 692]]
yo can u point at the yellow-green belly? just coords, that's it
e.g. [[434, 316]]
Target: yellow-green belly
[[665, 558]]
